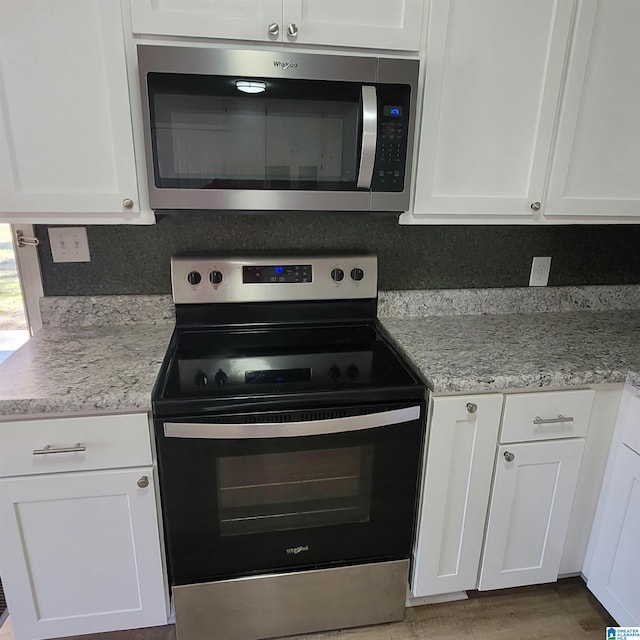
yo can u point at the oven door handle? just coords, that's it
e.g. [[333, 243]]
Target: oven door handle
[[369, 136], [230, 431]]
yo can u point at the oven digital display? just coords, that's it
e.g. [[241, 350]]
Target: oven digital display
[[291, 273], [277, 376]]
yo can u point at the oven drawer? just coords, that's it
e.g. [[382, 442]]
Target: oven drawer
[[74, 444], [546, 415]]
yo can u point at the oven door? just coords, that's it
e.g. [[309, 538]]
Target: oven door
[[246, 494]]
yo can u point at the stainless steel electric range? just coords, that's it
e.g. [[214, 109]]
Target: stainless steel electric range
[[289, 437]]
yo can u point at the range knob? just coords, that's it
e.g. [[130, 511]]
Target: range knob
[[352, 371], [337, 274], [334, 372], [215, 277], [201, 379], [357, 274], [220, 378], [194, 277]]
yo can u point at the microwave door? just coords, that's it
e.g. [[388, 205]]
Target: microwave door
[[369, 126], [297, 145]]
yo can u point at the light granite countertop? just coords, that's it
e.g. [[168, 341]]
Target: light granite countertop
[[72, 366], [521, 351], [75, 369]]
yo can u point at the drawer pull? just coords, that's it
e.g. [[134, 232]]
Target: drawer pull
[[560, 418], [509, 457], [47, 449]]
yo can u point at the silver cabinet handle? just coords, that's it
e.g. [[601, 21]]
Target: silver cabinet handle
[[369, 136], [472, 407], [127, 203], [47, 449], [292, 30], [143, 482], [509, 457], [535, 206], [227, 431], [560, 418], [274, 29]]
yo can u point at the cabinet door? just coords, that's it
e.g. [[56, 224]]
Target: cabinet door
[[455, 498], [533, 490], [233, 19], [66, 145], [615, 569], [80, 553], [493, 76], [597, 154], [378, 24]]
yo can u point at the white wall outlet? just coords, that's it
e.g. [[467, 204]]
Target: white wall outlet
[[69, 244], [540, 268]]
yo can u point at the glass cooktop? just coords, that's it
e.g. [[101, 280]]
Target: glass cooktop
[[281, 360]]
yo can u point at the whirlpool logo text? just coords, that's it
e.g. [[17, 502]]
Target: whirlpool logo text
[[296, 550], [285, 64]]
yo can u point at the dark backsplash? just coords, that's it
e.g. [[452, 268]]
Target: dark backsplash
[[135, 260]]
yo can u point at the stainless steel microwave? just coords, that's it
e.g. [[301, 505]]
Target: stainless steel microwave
[[261, 130]]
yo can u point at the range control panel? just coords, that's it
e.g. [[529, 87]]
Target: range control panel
[[207, 279]]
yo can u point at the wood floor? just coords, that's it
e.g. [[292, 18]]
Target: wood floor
[[544, 612]]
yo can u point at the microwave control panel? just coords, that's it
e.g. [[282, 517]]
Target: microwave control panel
[[393, 125]]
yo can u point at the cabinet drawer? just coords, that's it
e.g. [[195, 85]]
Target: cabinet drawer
[[546, 415], [102, 442]]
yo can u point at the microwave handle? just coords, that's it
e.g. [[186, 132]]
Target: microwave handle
[[369, 136], [226, 431]]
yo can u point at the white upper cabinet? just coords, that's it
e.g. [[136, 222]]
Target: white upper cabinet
[[493, 80], [234, 19], [596, 165], [388, 24], [392, 24], [66, 144]]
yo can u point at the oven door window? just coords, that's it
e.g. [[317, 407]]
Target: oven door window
[[294, 490], [295, 134]]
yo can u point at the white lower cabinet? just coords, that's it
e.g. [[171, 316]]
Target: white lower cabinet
[[457, 482], [614, 577], [529, 515], [79, 550], [500, 485]]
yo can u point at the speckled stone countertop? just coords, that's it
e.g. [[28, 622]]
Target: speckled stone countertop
[[84, 370], [94, 354], [102, 354], [521, 351]]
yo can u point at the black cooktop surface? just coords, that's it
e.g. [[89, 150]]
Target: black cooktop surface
[[279, 360]]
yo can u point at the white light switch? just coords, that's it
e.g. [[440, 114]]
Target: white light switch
[[69, 244]]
